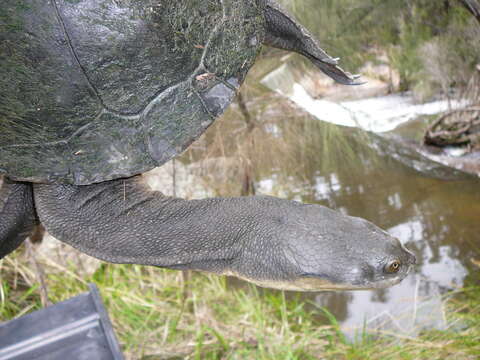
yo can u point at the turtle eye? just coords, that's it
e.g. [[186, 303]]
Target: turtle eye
[[393, 267]]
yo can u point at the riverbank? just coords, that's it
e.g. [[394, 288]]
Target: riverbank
[[376, 106], [159, 314], [154, 320]]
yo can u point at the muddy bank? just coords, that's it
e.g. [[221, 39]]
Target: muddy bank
[[396, 117]]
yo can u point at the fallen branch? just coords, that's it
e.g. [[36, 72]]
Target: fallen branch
[[459, 131]]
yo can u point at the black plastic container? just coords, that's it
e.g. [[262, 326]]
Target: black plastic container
[[75, 329]]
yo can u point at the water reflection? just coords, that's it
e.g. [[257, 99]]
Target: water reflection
[[433, 209], [437, 219], [362, 175]]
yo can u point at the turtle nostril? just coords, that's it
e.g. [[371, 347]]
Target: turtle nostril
[[413, 259], [411, 256]]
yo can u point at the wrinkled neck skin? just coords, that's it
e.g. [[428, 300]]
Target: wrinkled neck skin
[[271, 242], [268, 241], [124, 221]]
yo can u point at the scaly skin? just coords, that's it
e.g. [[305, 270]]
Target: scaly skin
[[282, 31], [111, 89], [17, 215], [269, 241]]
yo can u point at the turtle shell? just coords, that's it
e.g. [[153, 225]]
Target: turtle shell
[[93, 90]]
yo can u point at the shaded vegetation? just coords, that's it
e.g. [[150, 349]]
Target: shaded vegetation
[[154, 321], [217, 320], [432, 44], [150, 313]]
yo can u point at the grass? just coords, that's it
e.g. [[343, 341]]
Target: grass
[[154, 320]]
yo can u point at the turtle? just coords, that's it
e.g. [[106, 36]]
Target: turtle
[[96, 92]]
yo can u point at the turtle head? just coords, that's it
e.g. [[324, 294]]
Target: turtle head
[[315, 249], [356, 256]]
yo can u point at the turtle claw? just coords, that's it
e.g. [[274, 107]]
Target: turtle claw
[[355, 77], [330, 60], [337, 73]]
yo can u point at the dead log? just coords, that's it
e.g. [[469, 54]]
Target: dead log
[[460, 127]]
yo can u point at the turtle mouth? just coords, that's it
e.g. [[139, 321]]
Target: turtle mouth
[[388, 282], [308, 284], [316, 283]]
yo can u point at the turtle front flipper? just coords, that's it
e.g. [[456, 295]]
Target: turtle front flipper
[[17, 215], [282, 31]]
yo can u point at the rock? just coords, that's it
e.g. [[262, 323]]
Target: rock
[[188, 182], [59, 257]]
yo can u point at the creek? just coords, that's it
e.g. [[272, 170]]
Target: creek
[[434, 210]]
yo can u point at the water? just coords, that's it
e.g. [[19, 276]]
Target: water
[[437, 219], [377, 114], [432, 209], [304, 155]]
